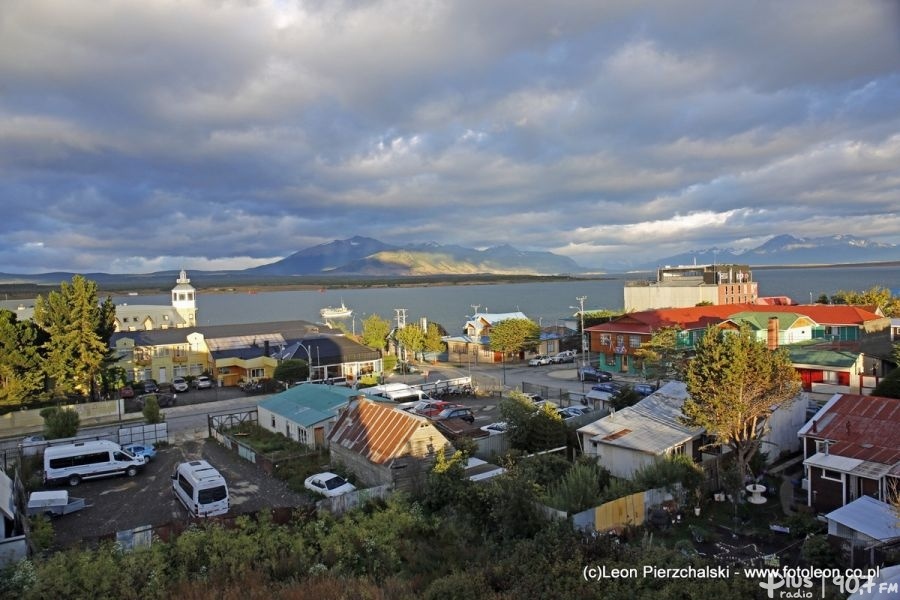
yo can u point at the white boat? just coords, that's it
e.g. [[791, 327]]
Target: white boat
[[336, 312]]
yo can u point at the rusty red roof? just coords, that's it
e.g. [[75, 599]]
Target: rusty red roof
[[862, 427], [379, 432], [700, 317]]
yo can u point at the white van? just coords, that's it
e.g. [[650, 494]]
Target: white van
[[71, 463], [404, 395], [201, 488]]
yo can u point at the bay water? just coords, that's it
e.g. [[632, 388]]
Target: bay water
[[450, 305]]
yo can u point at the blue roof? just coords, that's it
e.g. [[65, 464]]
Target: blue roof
[[309, 403]]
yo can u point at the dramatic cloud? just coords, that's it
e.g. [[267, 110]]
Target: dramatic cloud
[[216, 134]]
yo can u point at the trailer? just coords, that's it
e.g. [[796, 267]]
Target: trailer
[[53, 503]]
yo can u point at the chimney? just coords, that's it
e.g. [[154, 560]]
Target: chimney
[[266, 346], [815, 426], [772, 334]]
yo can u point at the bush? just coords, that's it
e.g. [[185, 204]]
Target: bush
[[60, 422]]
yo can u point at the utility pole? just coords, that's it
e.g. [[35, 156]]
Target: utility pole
[[401, 323], [585, 344]]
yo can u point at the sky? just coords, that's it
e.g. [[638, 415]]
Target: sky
[[225, 134]]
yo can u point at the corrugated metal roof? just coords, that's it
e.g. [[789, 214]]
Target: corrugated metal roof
[[862, 427], [868, 516], [309, 403], [380, 432], [652, 425]]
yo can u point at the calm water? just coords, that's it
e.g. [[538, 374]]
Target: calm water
[[544, 302]]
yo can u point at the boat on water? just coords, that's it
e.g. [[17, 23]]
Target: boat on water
[[336, 312]]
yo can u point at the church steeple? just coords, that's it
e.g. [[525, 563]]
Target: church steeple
[[184, 299]]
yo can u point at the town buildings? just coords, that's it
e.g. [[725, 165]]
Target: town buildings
[[690, 285]]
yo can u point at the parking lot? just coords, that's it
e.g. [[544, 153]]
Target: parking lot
[[122, 503]]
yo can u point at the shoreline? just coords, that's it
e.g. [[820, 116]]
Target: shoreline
[[213, 284]]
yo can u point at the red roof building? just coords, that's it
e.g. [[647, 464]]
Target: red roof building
[[851, 448]]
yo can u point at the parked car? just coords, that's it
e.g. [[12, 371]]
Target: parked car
[[163, 400], [571, 412], [149, 386], [145, 450], [202, 383], [495, 428], [644, 389], [180, 384], [429, 408], [32, 445], [566, 356], [328, 484], [126, 392], [540, 359], [455, 412], [405, 367], [592, 374], [608, 386]]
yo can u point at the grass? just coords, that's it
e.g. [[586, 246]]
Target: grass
[[294, 462]]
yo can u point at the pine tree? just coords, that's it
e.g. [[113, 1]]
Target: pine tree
[[73, 319], [735, 382]]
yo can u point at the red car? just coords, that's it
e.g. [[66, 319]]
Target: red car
[[429, 408], [126, 392]]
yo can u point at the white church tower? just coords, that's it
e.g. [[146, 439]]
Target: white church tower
[[184, 300]]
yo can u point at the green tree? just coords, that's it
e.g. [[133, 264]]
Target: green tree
[[663, 355], [513, 336], [60, 422], [735, 382], [21, 363], [411, 339], [75, 350], [375, 332], [623, 398], [579, 490], [433, 341], [889, 386], [291, 371], [532, 428], [877, 295], [152, 414]]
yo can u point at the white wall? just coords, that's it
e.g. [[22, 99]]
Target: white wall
[[783, 427]]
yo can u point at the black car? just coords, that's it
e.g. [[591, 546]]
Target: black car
[[608, 386], [644, 389], [592, 374], [162, 400], [149, 386], [455, 412]]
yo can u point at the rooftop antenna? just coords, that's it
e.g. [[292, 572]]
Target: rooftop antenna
[[475, 308]]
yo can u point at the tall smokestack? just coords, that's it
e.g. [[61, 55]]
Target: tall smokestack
[[772, 334]]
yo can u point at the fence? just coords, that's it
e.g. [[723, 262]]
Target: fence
[[220, 423], [341, 504], [15, 422], [144, 434], [559, 396]]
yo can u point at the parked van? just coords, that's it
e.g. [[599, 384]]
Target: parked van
[[201, 488], [404, 395], [71, 463]]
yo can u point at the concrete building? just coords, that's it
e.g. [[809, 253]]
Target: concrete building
[[683, 286]]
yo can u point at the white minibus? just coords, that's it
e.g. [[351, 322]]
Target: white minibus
[[201, 488], [71, 463], [405, 396]]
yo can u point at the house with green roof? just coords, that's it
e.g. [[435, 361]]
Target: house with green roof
[[305, 413], [792, 328]]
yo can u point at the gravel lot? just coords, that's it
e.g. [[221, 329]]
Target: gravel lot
[[122, 503]]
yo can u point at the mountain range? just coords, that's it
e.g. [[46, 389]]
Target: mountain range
[[359, 256], [786, 250]]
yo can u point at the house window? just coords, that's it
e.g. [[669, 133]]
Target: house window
[[301, 435], [257, 373], [634, 341], [605, 339], [287, 429], [677, 450], [831, 475], [273, 421]]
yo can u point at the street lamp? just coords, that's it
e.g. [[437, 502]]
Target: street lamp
[[308, 364]]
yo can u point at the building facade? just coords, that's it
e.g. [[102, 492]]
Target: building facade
[[684, 286]]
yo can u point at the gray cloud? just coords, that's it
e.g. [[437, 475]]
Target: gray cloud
[[226, 134]]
